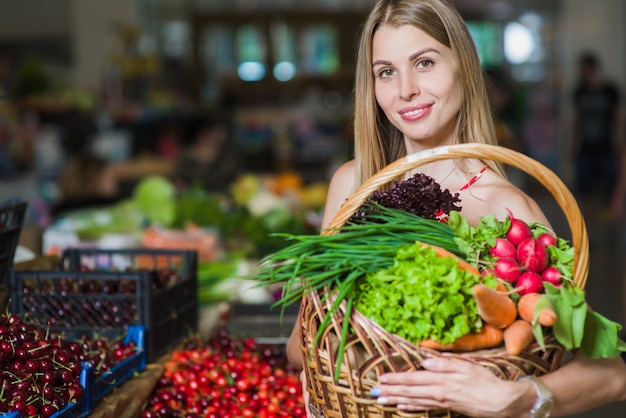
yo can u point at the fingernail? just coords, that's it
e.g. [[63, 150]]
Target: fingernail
[[382, 379], [428, 363], [402, 406], [375, 392], [382, 400]]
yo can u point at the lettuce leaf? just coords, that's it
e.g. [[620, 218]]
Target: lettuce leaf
[[422, 296]]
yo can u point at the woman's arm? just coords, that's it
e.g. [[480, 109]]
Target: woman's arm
[[294, 355], [584, 384]]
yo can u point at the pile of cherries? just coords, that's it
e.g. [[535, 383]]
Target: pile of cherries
[[226, 377], [40, 371]]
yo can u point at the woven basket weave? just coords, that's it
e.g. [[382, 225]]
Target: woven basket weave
[[371, 351]]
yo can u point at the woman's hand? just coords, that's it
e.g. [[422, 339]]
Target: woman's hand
[[451, 384], [305, 394]]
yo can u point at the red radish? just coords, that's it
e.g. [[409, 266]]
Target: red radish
[[503, 249], [547, 239], [532, 255], [518, 231], [552, 275], [529, 282], [507, 269]]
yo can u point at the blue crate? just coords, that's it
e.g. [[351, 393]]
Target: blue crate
[[97, 387]]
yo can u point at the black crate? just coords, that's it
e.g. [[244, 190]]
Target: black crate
[[102, 292], [12, 214]]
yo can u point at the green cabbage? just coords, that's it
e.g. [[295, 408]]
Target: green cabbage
[[155, 197]]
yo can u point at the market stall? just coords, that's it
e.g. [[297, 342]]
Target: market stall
[[180, 266]]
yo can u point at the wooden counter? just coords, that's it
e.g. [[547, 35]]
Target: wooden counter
[[126, 400]]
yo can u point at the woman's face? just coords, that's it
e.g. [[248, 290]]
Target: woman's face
[[416, 85]]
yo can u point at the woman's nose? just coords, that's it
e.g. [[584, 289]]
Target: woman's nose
[[408, 86]]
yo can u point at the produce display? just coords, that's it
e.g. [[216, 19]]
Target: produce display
[[103, 291], [41, 371], [225, 229], [226, 377]]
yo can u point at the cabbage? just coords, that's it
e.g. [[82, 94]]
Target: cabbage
[[155, 197]]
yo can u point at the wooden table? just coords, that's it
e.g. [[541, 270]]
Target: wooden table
[[126, 400]]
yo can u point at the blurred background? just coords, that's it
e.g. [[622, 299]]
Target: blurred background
[[225, 97]]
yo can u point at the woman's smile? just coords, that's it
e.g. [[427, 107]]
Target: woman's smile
[[414, 113]]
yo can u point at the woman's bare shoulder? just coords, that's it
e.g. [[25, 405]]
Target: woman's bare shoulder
[[346, 171], [342, 185], [496, 195]]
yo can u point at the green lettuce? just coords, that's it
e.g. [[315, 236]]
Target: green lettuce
[[422, 296]]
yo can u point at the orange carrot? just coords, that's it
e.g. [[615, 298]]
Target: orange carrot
[[526, 308], [518, 336], [488, 337], [501, 287], [495, 308], [463, 265], [436, 345]]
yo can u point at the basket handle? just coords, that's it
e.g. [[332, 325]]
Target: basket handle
[[544, 175]]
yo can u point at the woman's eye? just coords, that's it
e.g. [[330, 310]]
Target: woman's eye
[[386, 73], [425, 64]]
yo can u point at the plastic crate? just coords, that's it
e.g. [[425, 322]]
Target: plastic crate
[[12, 214], [103, 292], [97, 387]]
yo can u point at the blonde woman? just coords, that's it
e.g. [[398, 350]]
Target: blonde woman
[[419, 85]]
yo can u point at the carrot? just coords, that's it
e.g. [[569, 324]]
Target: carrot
[[526, 308], [518, 336], [436, 345], [501, 287], [495, 308], [463, 265], [488, 337]]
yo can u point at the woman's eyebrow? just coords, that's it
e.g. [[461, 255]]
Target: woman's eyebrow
[[423, 51], [380, 62], [411, 58]]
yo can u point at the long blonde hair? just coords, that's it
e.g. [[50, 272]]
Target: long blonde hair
[[377, 141]]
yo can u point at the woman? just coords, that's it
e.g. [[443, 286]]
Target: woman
[[419, 85]]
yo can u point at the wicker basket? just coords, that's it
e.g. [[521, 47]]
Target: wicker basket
[[371, 351]]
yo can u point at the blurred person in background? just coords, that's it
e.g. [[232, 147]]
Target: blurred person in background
[[209, 160], [501, 94], [596, 138], [540, 130], [86, 181]]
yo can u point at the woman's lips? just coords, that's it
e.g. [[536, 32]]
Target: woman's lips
[[414, 113]]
